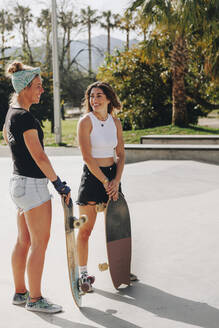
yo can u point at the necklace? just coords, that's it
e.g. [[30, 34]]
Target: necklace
[[101, 119]]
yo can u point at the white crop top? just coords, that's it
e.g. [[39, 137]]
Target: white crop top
[[103, 137]]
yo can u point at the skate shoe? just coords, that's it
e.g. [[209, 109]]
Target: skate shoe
[[20, 298], [43, 305]]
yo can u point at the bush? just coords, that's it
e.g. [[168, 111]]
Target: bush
[[145, 89], [5, 90]]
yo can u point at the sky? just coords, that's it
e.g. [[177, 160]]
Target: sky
[[116, 6]]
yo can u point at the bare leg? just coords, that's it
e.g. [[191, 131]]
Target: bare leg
[[84, 233], [19, 255], [39, 223]]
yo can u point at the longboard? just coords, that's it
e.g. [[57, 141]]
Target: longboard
[[72, 223], [118, 239]]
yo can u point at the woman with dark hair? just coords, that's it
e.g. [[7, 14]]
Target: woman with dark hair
[[28, 187], [101, 143]]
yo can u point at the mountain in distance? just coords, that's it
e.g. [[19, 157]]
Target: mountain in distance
[[80, 50], [99, 50]]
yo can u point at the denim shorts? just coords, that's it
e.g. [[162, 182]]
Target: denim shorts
[[28, 193]]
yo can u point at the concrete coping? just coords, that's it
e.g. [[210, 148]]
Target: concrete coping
[[171, 146], [181, 136], [194, 139]]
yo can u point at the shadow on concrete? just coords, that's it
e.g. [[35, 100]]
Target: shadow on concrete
[[62, 323], [106, 319], [165, 305]]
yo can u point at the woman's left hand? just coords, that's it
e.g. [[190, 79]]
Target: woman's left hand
[[113, 189]]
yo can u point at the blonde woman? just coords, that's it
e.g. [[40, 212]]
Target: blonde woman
[[28, 188]]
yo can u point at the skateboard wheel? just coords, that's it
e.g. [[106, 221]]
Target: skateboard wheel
[[103, 266], [85, 287], [83, 219], [91, 279], [77, 224]]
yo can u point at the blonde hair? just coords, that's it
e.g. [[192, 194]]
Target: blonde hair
[[16, 66]]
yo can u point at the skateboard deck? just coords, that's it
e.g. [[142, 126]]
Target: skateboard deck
[[72, 223], [118, 239]]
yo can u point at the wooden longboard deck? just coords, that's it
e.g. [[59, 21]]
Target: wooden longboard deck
[[71, 252], [118, 238]]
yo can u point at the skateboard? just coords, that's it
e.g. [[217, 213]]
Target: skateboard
[[72, 223], [118, 239]]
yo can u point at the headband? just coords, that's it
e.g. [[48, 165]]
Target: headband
[[21, 79]]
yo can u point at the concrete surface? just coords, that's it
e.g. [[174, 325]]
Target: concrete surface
[[175, 227], [143, 152], [181, 139]]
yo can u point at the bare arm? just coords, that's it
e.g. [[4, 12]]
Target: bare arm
[[113, 186], [84, 130], [120, 151], [33, 144], [5, 135]]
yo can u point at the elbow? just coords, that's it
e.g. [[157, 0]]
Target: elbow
[[121, 157], [87, 159], [40, 158]]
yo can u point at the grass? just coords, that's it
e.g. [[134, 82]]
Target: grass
[[69, 131]]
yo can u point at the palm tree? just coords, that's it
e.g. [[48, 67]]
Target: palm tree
[[177, 20], [141, 24], [44, 22], [6, 24], [67, 20], [109, 22], [88, 18], [23, 17], [127, 24]]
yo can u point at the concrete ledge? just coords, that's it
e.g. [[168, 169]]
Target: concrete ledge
[[202, 153], [181, 139]]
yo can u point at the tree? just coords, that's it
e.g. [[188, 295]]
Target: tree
[[143, 88], [109, 22], [127, 24], [88, 18], [23, 18], [178, 20], [44, 22], [141, 24], [67, 21], [5, 90], [6, 25]]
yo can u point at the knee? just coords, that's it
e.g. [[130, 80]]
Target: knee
[[40, 244], [84, 234], [23, 244]]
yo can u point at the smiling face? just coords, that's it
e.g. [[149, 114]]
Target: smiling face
[[98, 100], [34, 91]]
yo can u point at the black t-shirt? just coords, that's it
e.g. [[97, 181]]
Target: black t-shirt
[[19, 120]]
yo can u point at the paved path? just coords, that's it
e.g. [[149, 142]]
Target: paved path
[[175, 226]]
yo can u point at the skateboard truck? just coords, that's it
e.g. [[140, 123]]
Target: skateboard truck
[[103, 266], [100, 207], [74, 223]]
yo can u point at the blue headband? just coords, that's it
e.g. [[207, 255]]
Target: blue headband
[[21, 79]]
